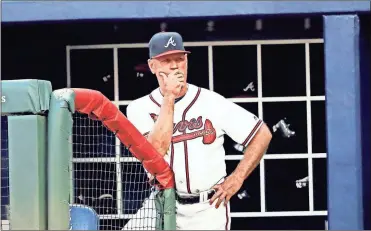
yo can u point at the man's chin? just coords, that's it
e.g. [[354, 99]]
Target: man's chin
[[183, 90]]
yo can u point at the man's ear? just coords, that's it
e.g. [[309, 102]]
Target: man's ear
[[151, 65]]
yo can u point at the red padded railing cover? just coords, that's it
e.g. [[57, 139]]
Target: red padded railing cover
[[98, 107]]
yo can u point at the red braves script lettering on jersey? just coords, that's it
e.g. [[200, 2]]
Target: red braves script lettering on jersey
[[208, 132]]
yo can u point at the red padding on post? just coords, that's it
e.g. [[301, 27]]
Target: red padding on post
[[98, 107]]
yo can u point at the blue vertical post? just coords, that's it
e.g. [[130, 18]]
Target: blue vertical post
[[343, 115], [365, 69]]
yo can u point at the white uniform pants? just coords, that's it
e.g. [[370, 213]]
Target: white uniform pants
[[203, 216]]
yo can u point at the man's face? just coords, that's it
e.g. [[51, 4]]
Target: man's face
[[169, 63]]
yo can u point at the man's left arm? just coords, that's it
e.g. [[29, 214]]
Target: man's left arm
[[251, 159], [251, 132], [253, 153]]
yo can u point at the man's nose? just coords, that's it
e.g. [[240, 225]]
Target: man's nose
[[173, 65]]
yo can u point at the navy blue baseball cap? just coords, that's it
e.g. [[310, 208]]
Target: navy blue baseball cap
[[165, 43]]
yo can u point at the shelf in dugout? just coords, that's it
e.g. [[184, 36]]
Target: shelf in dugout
[[317, 69], [320, 184], [283, 193], [93, 69], [248, 198], [198, 67], [283, 70], [232, 76], [135, 77], [295, 115], [318, 126]]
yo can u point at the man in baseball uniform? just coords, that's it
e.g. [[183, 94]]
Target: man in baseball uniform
[[186, 124]]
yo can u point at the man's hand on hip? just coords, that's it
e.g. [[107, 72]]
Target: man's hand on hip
[[226, 190]]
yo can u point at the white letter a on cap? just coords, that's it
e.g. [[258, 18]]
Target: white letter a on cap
[[171, 41]]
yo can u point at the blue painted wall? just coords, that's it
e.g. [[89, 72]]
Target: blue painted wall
[[365, 48], [65, 10], [347, 114]]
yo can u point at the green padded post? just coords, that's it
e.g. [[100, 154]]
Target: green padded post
[[166, 210], [159, 204], [25, 96], [169, 209], [27, 172], [59, 156]]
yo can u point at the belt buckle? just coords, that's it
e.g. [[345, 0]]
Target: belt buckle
[[204, 196]]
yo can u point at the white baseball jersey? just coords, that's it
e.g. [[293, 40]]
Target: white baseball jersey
[[201, 119]]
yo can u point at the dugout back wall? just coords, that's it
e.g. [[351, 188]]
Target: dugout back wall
[[280, 21]]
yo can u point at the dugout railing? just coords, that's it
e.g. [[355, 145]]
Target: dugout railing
[[40, 144]]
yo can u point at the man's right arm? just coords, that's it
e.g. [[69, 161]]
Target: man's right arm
[[162, 131]]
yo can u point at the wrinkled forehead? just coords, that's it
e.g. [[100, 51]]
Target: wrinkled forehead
[[171, 56]]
